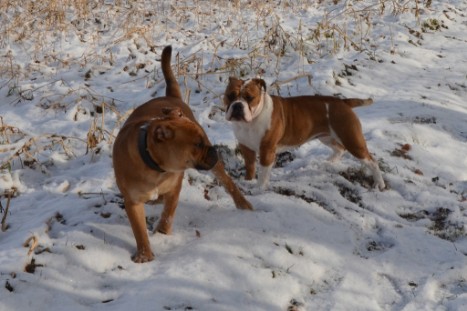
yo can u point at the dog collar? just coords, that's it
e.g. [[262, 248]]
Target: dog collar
[[143, 149]]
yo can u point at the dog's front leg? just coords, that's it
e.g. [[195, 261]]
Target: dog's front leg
[[249, 156], [137, 218], [267, 155], [228, 184], [170, 205]]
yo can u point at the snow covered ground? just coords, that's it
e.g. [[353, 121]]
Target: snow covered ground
[[319, 238]]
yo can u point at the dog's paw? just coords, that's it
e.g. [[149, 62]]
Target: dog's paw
[[257, 191], [142, 256], [380, 185], [242, 203], [164, 228]]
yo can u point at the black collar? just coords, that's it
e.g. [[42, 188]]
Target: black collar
[[143, 149]]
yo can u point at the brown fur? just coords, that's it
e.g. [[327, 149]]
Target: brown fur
[[296, 120], [176, 142]]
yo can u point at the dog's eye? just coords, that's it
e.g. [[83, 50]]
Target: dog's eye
[[231, 96], [248, 98], [200, 145]]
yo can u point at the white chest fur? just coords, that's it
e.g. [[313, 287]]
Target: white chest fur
[[251, 133]]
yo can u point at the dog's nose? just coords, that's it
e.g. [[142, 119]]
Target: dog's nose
[[237, 111], [209, 160]]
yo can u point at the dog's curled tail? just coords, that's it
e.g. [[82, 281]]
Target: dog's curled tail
[[172, 88], [357, 102]]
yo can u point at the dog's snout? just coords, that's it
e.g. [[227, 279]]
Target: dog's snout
[[212, 156], [237, 106], [209, 160], [237, 111]]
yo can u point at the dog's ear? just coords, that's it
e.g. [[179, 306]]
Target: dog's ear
[[172, 113], [233, 80], [261, 83], [163, 133]]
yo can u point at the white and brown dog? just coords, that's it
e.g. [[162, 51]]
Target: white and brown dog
[[157, 143], [263, 124]]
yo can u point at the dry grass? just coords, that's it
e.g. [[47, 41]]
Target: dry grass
[[41, 31], [346, 25], [9, 194]]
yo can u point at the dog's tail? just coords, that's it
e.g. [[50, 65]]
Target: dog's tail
[[357, 102], [172, 88]]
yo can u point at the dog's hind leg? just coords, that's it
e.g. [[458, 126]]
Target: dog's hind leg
[[337, 148], [377, 176], [170, 205], [361, 152]]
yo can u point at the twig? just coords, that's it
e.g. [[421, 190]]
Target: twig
[[4, 225], [33, 141], [18, 98], [32, 243], [87, 195], [276, 84]]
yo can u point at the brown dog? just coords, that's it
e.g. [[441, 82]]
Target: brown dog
[[263, 124], [158, 142]]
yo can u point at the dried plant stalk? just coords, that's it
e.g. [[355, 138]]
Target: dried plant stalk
[[8, 194], [32, 242]]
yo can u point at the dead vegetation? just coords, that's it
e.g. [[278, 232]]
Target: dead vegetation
[[356, 176], [344, 25], [32, 266], [5, 210], [402, 151], [443, 225]]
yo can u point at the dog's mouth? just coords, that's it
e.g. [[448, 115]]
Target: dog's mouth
[[237, 119], [209, 161], [236, 113]]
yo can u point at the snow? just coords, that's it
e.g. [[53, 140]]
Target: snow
[[319, 237]]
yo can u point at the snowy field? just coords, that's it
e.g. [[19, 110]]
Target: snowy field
[[319, 238]]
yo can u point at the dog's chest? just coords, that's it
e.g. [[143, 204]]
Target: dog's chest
[[250, 134]]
